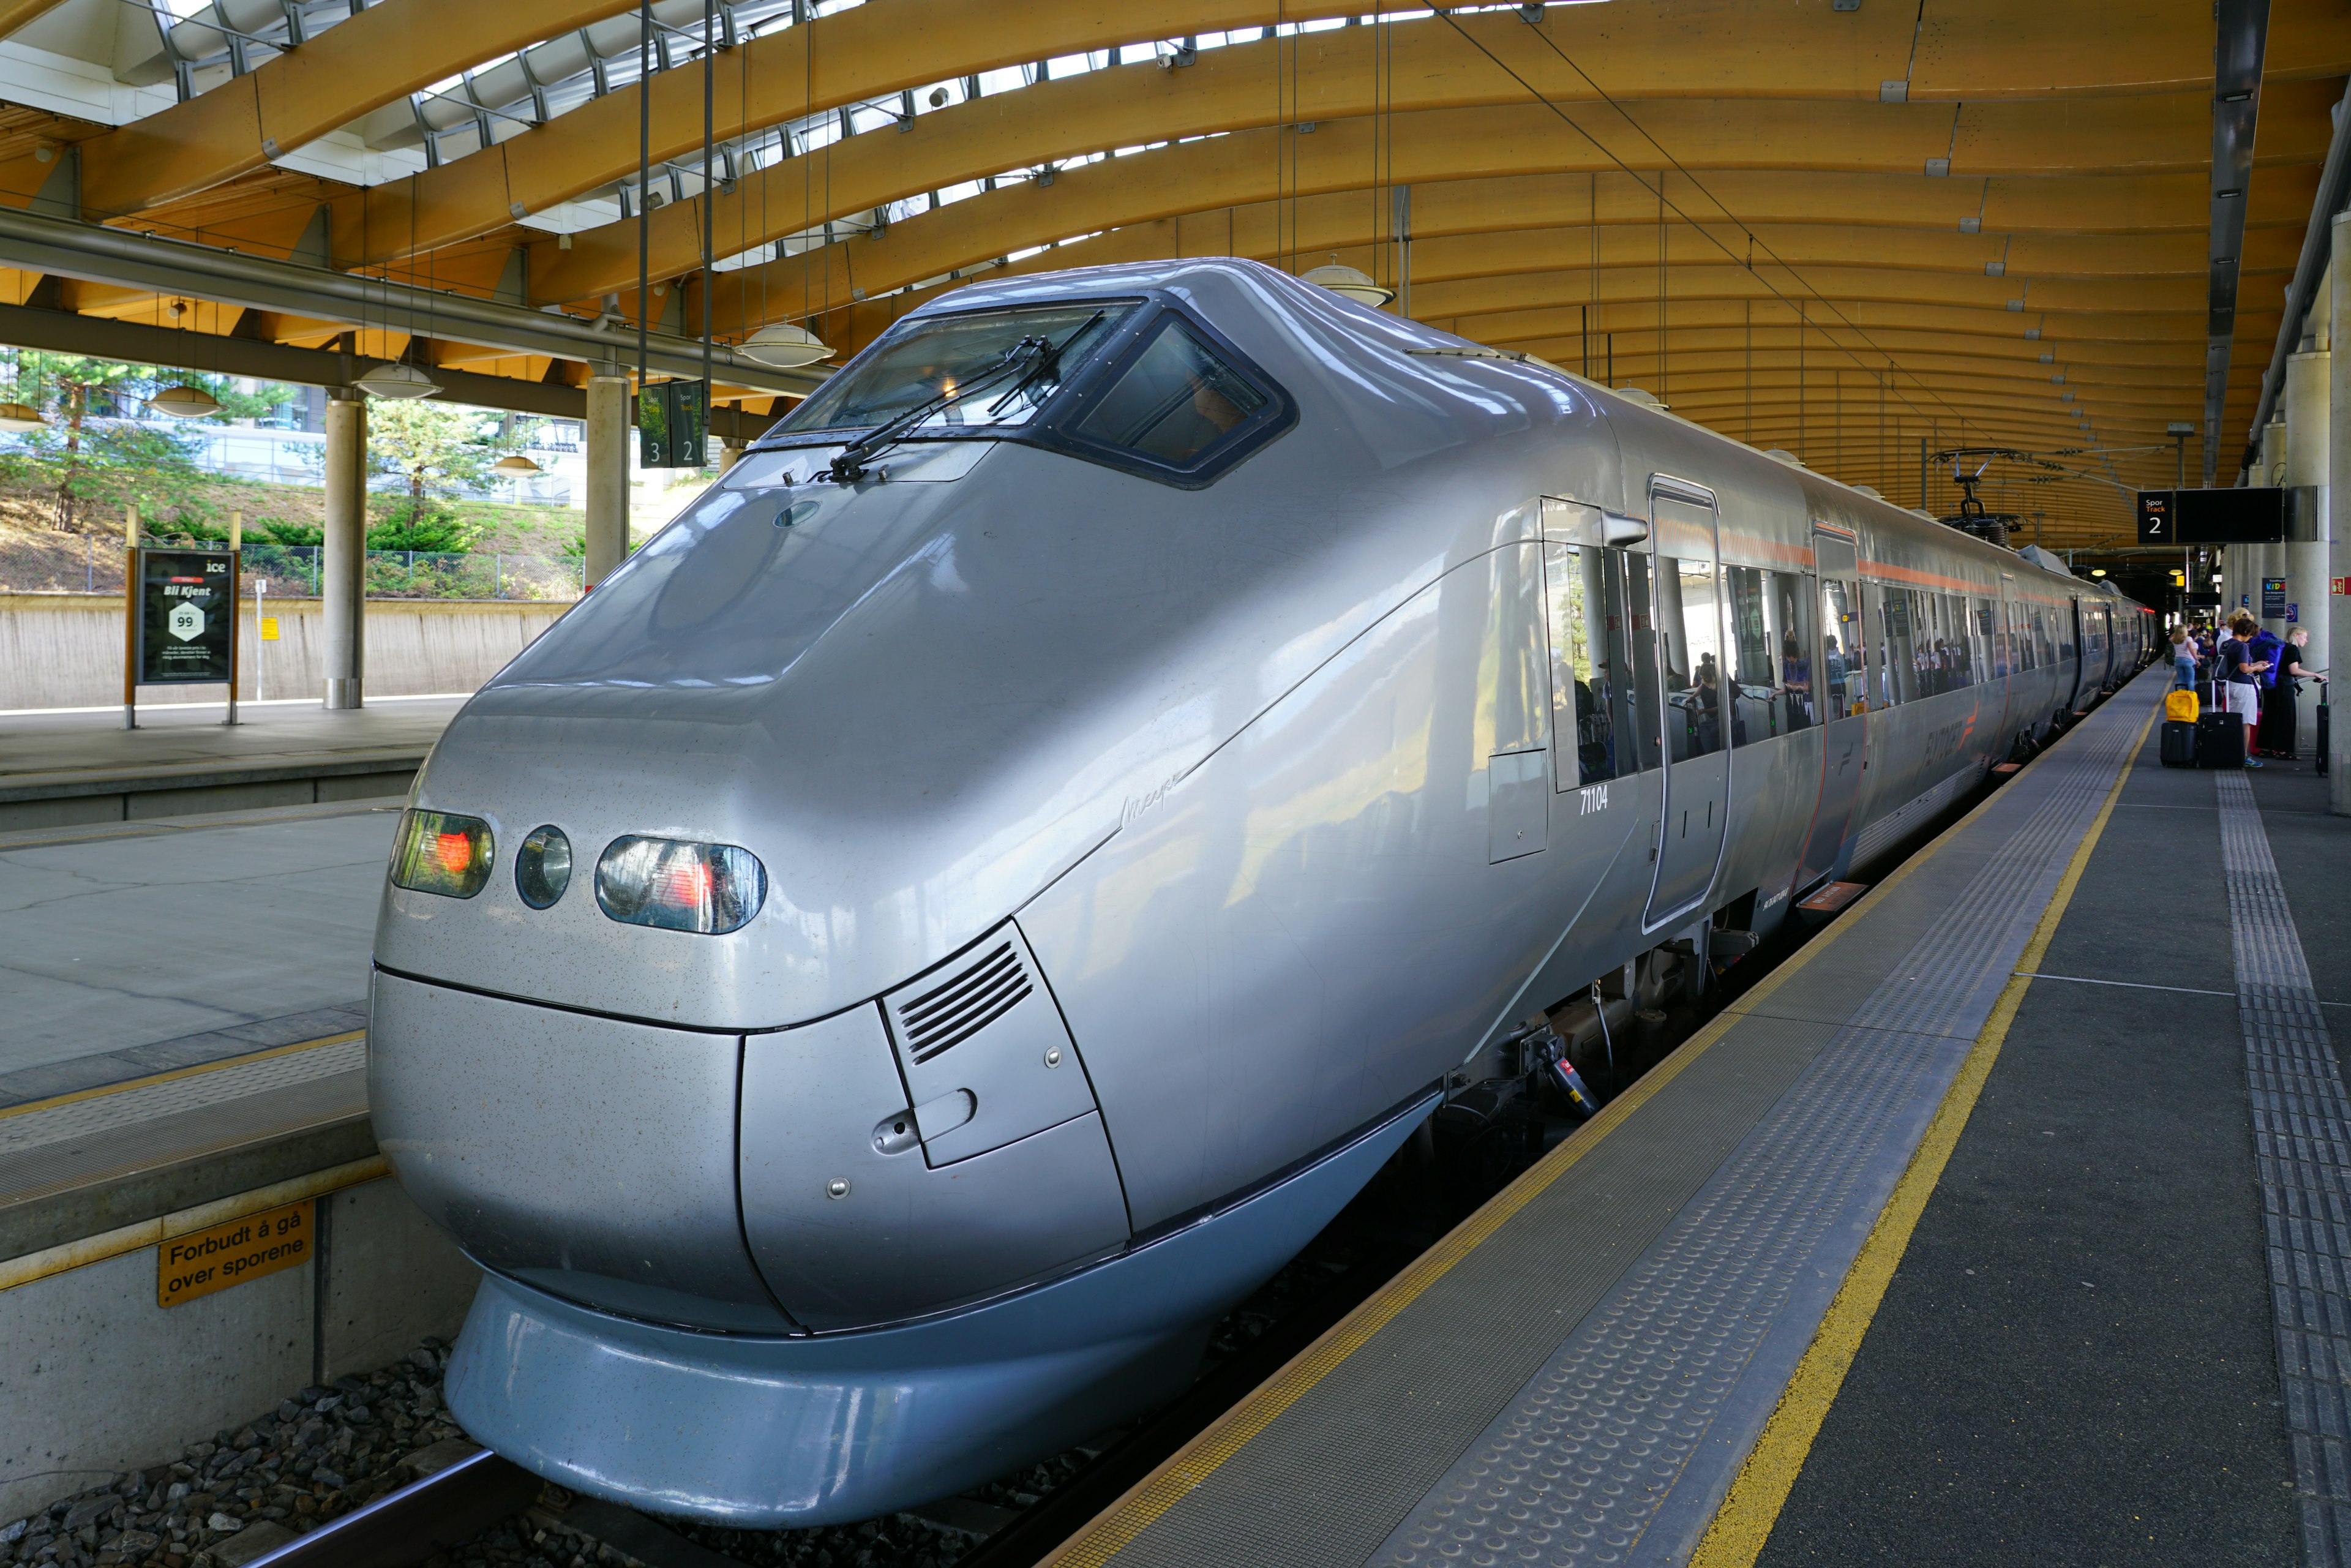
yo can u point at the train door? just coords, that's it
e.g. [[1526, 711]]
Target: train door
[[1603, 666], [2071, 614], [1842, 673], [1686, 578]]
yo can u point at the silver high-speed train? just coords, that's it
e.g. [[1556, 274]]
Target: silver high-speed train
[[967, 901]]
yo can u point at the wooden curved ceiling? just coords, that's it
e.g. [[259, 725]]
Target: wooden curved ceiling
[[1839, 231]]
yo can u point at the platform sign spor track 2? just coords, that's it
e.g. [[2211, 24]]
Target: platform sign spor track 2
[[219, 1256], [186, 616]]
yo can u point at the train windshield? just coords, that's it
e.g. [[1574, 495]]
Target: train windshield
[[993, 368]]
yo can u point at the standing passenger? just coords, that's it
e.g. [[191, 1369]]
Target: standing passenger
[[2183, 659], [2240, 672]]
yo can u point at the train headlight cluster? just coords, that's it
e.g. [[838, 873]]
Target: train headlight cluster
[[673, 885], [670, 884], [438, 853]]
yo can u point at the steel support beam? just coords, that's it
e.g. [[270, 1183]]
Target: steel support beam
[[2302, 294], [2242, 35], [102, 337], [133, 260]]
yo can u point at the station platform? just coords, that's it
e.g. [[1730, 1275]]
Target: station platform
[[185, 1056], [62, 768], [179, 991], [2002, 1223]]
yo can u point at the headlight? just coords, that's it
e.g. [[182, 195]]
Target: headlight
[[677, 886], [543, 867], [438, 852]]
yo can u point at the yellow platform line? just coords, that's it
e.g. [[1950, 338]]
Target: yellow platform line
[[1112, 1529], [53, 1100], [1744, 1521]]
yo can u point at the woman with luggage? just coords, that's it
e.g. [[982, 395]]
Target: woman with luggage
[[2277, 736]]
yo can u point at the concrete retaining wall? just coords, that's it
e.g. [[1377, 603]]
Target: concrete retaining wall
[[65, 650], [96, 1378]]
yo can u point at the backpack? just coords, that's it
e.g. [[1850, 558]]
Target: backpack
[[2181, 707]]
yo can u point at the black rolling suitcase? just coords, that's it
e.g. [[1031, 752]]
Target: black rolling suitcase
[[2179, 743], [2219, 740]]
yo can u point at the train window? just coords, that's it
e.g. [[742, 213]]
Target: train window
[[1897, 672], [1841, 679], [1596, 604], [1991, 653], [1771, 638], [1690, 644], [930, 357], [1176, 401]]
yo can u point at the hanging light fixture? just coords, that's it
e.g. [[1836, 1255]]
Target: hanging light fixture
[[20, 417], [515, 464], [785, 347], [398, 381], [1352, 283], [184, 402]]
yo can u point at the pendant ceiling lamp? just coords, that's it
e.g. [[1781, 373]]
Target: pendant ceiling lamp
[[1352, 282], [398, 381], [20, 417], [785, 347], [184, 402], [517, 464]]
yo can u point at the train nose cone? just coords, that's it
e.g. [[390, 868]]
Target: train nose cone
[[874, 699]]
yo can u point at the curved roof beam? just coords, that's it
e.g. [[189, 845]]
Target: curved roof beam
[[2151, 133], [1639, 52], [15, 14], [1901, 216], [383, 53]]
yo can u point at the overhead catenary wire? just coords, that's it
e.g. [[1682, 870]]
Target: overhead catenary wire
[[1607, 152]]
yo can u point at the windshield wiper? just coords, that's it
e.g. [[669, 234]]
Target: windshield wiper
[[1041, 356]]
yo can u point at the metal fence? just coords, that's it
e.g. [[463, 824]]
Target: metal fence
[[85, 564]]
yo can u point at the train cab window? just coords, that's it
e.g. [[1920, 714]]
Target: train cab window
[[1604, 685], [1842, 673], [932, 358], [1176, 401], [1771, 638], [1690, 645]]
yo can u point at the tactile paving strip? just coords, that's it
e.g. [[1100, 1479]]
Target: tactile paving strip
[[107, 1112], [1577, 1467], [2302, 1142]]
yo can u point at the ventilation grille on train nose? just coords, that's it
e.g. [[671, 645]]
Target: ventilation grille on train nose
[[962, 1006]]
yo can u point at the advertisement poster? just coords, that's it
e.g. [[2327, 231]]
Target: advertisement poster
[[186, 613]]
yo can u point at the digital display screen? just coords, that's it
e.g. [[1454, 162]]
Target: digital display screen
[[2242, 516]]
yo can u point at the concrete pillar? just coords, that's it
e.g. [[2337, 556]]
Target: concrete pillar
[[2338, 535], [343, 580], [609, 432], [2302, 560]]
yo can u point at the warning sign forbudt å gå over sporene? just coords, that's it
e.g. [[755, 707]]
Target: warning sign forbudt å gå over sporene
[[230, 1253]]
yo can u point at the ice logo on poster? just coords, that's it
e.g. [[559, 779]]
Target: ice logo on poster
[[186, 622]]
